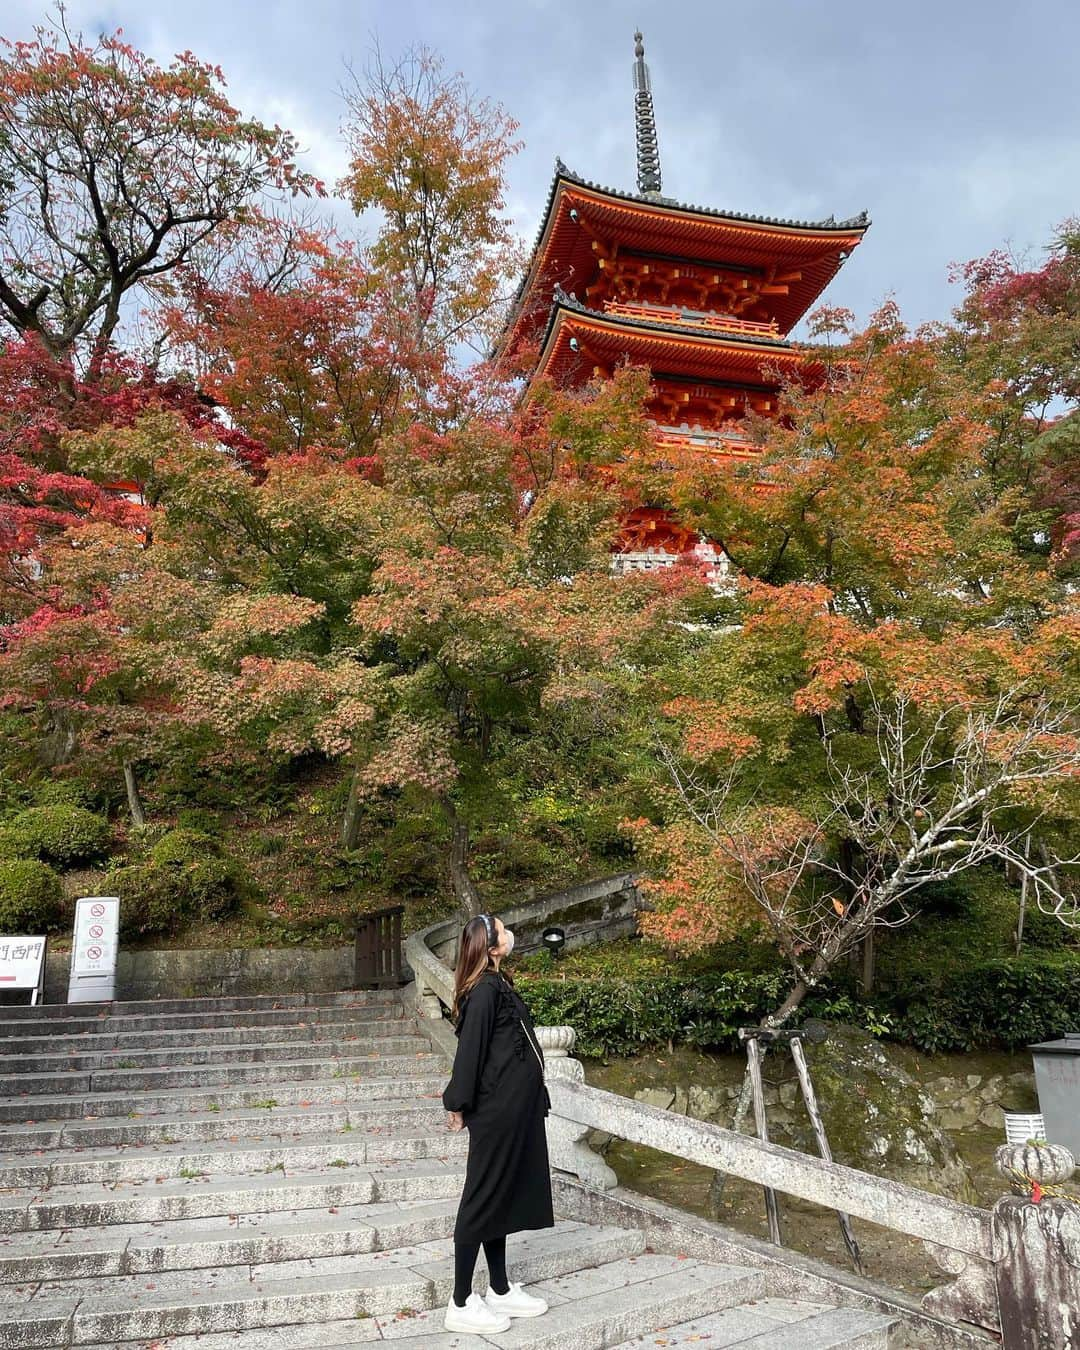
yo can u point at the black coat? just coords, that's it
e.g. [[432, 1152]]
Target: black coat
[[498, 1086]]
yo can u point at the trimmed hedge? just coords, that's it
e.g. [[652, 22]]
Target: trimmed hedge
[[150, 900], [181, 877], [63, 834], [1006, 1003], [31, 897], [183, 848], [991, 1004], [620, 1017]]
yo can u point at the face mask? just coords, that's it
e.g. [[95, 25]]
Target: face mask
[[509, 940]]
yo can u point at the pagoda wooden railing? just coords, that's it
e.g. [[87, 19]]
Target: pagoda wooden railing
[[735, 446], [673, 314]]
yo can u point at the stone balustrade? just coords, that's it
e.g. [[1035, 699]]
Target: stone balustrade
[[1015, 1269]]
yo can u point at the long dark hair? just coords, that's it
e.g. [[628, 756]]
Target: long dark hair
[[474, 958]]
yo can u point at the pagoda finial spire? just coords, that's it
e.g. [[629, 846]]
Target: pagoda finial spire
[[648, 148]]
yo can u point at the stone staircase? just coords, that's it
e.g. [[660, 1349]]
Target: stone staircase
[[275, 1173]]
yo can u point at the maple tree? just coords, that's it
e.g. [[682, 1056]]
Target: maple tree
[[90, 670], [116, 171], [306, 353], [813, 827], [430, 156], [903, 637], [491, 608]]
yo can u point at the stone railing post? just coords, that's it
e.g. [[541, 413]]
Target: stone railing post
[[1037, 1272], [1028, 1291], [568, 1148], [427, 1001], [1037, 1250]]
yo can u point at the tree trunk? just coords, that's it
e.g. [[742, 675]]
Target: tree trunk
[[58, 744], [1025, 881], [350, 821], [465, 891], [868, 962], [135, 802]]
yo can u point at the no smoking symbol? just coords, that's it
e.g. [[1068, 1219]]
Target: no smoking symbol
[[96, 930], [97, 911], [94, 953]]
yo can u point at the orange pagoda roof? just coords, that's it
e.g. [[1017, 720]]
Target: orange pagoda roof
[[595, 241], [580, 343]]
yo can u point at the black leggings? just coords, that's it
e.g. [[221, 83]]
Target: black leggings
[[465, 1254]]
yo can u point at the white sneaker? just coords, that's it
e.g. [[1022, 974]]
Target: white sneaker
[[476, 1317], [515, 1303]]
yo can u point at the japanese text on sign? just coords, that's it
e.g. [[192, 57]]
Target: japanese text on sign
[[20, 962]]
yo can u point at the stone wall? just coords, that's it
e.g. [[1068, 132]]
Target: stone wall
[[886, 1110], [967, 1101], [213, 973], [593, 912], [961, 1101]]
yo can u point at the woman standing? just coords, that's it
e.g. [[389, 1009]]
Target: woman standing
[[497, 1093]]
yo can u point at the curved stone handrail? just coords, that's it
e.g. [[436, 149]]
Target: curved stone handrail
[[892, 1204], [960, 1236], [435, 981], [432, 976]]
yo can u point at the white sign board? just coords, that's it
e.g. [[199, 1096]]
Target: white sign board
[[22, 964], [94, 949]]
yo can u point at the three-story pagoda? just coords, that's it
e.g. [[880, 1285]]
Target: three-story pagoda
[[704, 298]]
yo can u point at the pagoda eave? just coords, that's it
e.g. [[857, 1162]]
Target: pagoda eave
[[584, 223], [583, 345]]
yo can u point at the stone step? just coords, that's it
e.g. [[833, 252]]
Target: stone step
[[348, 998], [270, 1051], [207, 1243], [149, 1022], [770, 1323], [357, 1027], [191, 1127], [363, 1289], [287, 1154], [29, 1109], [26, 1210], [126, 1081]]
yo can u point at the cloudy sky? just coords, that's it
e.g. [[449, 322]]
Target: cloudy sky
[[955, 122]]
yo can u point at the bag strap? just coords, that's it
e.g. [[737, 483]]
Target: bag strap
[[532, 1043]]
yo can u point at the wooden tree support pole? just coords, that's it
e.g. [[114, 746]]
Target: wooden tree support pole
[[757, 1090], [809, 1097]]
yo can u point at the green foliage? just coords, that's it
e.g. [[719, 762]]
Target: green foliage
[[1009, 1002], [150, 900], [63, 791], [183, 848], [620, 1017], [62, 834], [198, 818], [180, 878], [31, 897]]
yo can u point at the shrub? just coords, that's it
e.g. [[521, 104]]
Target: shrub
[[31, 897], [150, 900], [63, 792], [1007, 1003], [62, 834], [619, 1017], [215, 887], [183, 848], [13, 845], [181, 877], [198, 818]]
